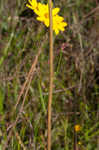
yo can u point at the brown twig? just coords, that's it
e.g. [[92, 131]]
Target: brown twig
[[51, 76]]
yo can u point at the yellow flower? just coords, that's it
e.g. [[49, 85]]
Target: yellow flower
[[43, 14], [42, 11], [58, 24], [77, 127], [32, 4], [79, 143]]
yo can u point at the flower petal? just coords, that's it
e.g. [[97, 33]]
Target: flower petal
[[55, 11]]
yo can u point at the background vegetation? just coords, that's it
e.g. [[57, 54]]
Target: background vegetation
[[76, 77]]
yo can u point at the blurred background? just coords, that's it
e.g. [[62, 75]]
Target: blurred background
[[76, 77]]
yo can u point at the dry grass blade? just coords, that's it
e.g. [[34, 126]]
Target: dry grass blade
[[28, 80], [19, 140]]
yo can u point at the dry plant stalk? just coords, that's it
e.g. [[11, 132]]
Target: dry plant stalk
[[51, 76], [27, 79]]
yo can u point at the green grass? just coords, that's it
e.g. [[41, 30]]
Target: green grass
[[76, 83]]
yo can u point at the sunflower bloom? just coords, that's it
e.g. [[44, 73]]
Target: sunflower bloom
[[42, 12]]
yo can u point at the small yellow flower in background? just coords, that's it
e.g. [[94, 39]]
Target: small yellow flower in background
[[42, 12], [77, 127], [79, 143]]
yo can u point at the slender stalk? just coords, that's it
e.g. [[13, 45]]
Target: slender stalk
[[51, 76]]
